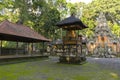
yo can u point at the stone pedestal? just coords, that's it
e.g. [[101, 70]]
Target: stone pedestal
[[71, 59]]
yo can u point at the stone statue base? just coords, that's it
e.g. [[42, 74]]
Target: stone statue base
[[71, 59]]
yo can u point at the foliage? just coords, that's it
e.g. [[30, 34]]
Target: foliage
[[42, 15], [6, 10], [116, 30], [92, 10]]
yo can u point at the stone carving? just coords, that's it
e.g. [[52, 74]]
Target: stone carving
[[104, 43]]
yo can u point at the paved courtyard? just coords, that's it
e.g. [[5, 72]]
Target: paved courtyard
[[50, 69], [111, 63]]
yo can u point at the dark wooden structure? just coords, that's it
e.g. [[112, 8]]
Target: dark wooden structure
[[72, 43], [19, 33]]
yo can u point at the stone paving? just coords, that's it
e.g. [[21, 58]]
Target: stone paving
[[111, 63]]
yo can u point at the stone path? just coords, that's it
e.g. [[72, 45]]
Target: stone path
[[105, 63]]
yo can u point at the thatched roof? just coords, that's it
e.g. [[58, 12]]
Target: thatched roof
[[71, 23], [17, 32]]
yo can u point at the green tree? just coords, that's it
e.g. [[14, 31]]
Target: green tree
[[92, 10]]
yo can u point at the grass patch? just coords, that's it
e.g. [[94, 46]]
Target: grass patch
[[50, 70]]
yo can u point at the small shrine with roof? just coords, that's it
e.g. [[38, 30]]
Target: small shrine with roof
[[103, 43], [71, 41]]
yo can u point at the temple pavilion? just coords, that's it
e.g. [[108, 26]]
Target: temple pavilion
[[72, 41], [103, 43]]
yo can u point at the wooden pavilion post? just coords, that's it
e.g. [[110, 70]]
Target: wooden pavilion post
[[27, 52], [43, 48], [17, 48], [25, 48], [0, 47], [61, 33], [32, 49], [28, 48]]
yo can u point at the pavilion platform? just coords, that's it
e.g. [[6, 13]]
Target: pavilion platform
[[20, 58], [19, 33]]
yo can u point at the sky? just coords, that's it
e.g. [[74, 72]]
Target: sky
[[74, 1]]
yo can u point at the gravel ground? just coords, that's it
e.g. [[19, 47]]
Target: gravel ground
[[104, 63], [108, 63]]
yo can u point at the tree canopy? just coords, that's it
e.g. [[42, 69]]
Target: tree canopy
[[42, 15]]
